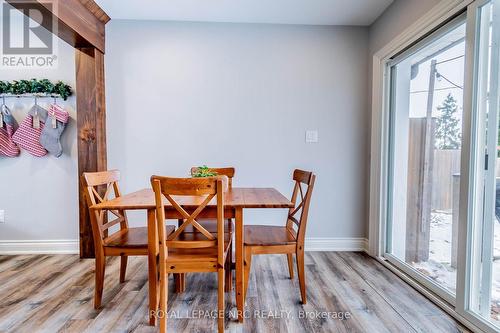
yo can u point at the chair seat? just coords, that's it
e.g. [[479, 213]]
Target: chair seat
[[133, 237], [264, 235], [196, 254], [211, 226]]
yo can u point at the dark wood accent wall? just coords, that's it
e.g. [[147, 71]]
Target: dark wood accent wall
[[81, 23]]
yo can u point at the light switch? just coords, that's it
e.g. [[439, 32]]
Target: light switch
[[311, 136]]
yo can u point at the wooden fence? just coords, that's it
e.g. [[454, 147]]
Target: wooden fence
[[433, 184], [446, 164]]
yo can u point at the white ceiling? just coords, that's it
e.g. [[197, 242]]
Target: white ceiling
[[315, 12]]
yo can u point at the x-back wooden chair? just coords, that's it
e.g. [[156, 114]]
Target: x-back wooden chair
[[186, 252], [211, 224], [125, 241], [288, 239]]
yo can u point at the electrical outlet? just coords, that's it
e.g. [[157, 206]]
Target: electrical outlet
[[312, 136], [2, 216]]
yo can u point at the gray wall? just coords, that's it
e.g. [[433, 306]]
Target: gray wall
[[185, 94], [40, 195], [398, 16], [222, 94]]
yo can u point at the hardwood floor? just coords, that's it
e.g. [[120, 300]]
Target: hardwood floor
[[54, 293]]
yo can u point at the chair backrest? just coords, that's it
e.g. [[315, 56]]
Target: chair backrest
[[98, 188], [228, 172], [301, 199], [202, 190]]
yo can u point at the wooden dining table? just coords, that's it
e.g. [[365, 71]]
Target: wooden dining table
[[236, 200]]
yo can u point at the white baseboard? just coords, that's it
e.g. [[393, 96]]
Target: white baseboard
[[63, 246], [71, 246], [336, 244]]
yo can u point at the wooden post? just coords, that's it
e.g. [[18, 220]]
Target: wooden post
[[421, 161], [420, 166], [81, 23], [91, 130], [428, 152]]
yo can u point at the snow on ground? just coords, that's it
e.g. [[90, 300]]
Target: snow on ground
[[438, 267]]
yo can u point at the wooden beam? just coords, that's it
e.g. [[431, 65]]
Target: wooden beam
[[91, 122], [80, 23], [96, 10]]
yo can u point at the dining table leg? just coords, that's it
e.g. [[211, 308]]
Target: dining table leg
[[240, 297], [152, 267]]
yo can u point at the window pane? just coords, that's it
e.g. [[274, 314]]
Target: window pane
[[426, 139]]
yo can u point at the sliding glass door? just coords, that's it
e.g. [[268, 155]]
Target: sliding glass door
[[443, 163], [441, 202], [426, 107]]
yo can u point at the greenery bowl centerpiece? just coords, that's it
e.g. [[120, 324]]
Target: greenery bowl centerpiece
[[205, 171]]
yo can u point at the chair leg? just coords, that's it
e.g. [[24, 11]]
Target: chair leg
[[183, 281], [123, 267], [100, 264], [290, 264], [180, 278], [180, 282], [229, 272], [162, 312], [154, 284], [177, 283], [247, 266], [301, 272], [220, 300]]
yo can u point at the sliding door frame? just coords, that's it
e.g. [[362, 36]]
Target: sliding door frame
[[442, 13], [443, 30]]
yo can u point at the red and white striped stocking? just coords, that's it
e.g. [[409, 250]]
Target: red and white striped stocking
[[28, 135], [8, 126]]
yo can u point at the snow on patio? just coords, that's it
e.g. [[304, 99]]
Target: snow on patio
[[438, 267]]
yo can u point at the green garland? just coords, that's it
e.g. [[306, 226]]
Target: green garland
[[35, 86], [204, 171]]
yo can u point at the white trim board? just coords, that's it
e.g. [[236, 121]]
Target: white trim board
[[71, 246], [62, 246], [336, 244]]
